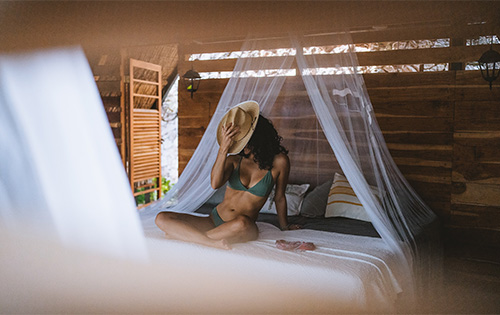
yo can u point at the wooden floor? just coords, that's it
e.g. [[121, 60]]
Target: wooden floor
[[471, 282]]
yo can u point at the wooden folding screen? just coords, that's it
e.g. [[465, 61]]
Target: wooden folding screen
[[145, 128]]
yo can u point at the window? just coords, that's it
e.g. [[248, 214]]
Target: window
[[332, 49]]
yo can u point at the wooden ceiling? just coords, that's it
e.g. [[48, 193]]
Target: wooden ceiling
[[28, 25]]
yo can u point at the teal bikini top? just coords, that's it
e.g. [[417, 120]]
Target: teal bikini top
[[261, 189]]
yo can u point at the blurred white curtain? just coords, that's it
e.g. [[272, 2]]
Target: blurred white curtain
[[61, 175]]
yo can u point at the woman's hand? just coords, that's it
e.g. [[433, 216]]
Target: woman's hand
[[229, 131], [290, 227], [294, 227], [223, 166]]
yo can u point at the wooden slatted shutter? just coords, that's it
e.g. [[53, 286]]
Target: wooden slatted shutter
[[145, 128]]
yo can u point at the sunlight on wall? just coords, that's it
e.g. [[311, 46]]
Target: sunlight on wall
[[336, 49], [320, 50], [324, 50], [481, 40], [169, 130], [249, 74]]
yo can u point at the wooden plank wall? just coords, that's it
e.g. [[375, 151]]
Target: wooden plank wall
[[442, 128], [105, 65], [475, 193], [415, 114]]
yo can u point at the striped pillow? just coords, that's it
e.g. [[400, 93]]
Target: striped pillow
[[342, 201]]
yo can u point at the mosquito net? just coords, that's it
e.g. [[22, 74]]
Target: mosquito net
[[316, 98]]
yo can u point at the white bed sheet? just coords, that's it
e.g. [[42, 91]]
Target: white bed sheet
[[346, 273]]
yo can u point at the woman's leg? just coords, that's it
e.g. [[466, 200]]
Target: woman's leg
[[239, 230], [186, 227]]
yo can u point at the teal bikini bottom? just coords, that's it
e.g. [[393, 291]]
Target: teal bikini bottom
[[216, 218]]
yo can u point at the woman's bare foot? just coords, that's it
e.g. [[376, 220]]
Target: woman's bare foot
[[222, 244]]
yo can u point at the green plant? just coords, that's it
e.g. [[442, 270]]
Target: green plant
[[166, 185], [140, 199]]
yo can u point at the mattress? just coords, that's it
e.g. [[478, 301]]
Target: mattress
[[346, 273]]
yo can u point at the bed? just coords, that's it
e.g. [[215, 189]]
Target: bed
[[351, 270], [346, 273]]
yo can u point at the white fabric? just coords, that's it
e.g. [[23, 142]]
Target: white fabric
[[346, 274], [342, 201], [294, 195], [60, 171], [352, 131], [341, 115]]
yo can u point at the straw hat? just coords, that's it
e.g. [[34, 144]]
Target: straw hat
[[245, 116]]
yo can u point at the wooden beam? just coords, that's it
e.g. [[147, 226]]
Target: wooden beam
[[382, 33]]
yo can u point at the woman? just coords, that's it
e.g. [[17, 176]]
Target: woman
[[262, 162]]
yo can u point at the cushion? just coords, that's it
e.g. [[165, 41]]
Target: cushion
[[294, 195], [343, 202], [315, 201]]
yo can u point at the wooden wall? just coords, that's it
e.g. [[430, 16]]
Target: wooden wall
[[442, 128], [110, 66], [106, 65]]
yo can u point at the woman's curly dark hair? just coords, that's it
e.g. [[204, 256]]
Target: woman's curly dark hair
[[265, 144]]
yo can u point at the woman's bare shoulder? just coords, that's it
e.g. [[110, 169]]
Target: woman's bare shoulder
[[233, 159], [281, 161]]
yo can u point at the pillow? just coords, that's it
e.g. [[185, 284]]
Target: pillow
[[314, 204], [294, 195], [343, 202]]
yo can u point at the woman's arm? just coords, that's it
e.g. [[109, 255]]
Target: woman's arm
[[282, 163], [223, 166]]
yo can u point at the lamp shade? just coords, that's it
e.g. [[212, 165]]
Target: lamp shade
[[489, 63], [192, 81]]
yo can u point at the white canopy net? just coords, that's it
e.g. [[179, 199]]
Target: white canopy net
[[330, 128]]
